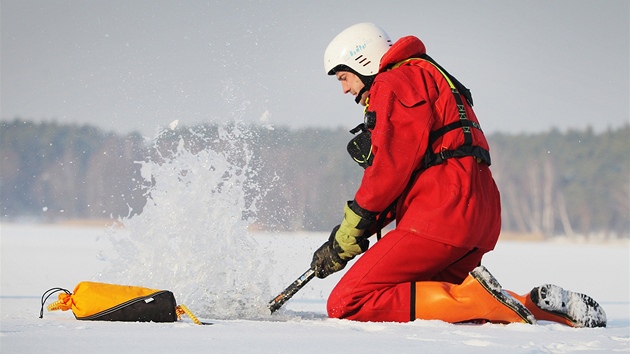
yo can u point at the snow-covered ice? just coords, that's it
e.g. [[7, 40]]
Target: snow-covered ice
[[37, 257]]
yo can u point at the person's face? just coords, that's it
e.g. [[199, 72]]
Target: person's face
[[351, 83]]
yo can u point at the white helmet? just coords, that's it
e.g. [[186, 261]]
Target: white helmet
[[359, 47]]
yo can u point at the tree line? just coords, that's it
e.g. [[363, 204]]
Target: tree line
[[554, 183]]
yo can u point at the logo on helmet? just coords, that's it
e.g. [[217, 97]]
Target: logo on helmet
[[358, 49]]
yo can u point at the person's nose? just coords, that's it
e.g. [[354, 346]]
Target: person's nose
[[345, 87]]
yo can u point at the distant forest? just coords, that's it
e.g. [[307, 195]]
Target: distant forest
[[574, 183]]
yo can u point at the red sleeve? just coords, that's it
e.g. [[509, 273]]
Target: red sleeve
[[399, 139]]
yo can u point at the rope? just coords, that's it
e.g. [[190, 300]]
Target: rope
[[55, 305], [181, 309], [45, 297]]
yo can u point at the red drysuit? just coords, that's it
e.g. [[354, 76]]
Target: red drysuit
[[446, 218]]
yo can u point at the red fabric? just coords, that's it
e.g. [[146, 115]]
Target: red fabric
[[404, 48], [377, 287], [449, 210], [456, 202]]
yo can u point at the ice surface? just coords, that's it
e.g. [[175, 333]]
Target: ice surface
[[38, 257]]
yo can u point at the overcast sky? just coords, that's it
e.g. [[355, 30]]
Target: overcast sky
[[138, 65]]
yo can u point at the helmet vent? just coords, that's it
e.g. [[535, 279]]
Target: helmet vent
[[363, 60]]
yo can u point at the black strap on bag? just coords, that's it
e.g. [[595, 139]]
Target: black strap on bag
[[47, 294]]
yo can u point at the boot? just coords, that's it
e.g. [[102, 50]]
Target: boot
[[552, 303], [478, 298]]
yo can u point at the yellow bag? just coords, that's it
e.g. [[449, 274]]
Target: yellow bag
[[110, 302]]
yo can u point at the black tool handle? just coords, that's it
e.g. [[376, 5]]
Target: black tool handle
[[288, 293]]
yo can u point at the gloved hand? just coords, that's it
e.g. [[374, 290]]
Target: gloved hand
[[345, 242], [326, 260]]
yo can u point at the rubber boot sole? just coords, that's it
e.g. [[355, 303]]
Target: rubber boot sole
[[492, 286], [579, 309]]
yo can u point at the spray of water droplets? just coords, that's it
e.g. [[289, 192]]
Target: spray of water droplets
[[191, 237]]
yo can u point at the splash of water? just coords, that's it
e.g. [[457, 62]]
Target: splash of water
[[191, 237]]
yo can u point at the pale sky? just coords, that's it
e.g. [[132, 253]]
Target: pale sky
[[126, 65]]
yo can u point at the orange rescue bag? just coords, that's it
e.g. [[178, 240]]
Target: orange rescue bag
[[110, 302]]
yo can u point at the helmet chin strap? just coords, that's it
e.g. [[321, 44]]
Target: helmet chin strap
[[367, 84], [360, 94]]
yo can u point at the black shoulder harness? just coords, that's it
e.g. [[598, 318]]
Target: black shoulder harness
[[432, 158]]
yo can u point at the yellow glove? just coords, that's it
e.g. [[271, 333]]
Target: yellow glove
[[349, 240], [345, 242]]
